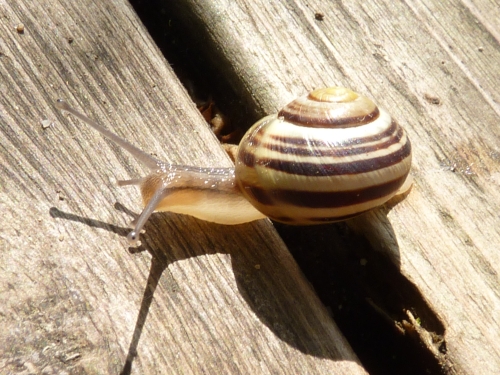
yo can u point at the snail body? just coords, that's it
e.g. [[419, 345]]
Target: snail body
[[325, 157]]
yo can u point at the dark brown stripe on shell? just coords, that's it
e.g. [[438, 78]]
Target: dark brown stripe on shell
[[332, 150], [246, 157], [314, 199], [320, 118], [351, 142], [334, 169], [260, 195]]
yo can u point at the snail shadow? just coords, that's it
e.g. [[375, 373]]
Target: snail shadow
[[263, 277], [56, 213], [269, 283], [328, 255]]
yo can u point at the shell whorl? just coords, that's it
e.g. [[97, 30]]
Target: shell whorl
[[324, 157], [330, 107]]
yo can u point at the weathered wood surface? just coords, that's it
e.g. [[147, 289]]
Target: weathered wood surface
[[203, 298], [436, 66]]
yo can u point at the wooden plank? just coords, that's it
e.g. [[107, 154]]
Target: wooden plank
[[203, 298], [436, 66]]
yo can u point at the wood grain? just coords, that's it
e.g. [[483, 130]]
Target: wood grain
[[197, 297], [436, 66]]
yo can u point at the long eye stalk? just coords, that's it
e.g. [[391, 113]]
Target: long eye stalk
[[140, 155]]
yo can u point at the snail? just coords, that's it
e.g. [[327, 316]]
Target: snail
[[325, 157]]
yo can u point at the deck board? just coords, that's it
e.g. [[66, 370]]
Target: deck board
[[197, 297]]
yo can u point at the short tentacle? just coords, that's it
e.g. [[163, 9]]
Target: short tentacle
[[134, 235]]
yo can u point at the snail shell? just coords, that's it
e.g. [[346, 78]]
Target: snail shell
[[325, 157]]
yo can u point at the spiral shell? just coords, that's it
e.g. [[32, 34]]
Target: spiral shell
[[325, 157]]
